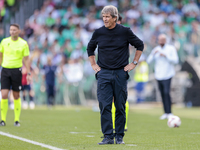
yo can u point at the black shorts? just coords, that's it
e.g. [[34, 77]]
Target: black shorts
[[11, 78]]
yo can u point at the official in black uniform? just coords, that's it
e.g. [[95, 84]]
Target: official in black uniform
[[112, 69]]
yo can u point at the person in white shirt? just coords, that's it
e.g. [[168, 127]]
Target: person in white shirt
[[165, 57]]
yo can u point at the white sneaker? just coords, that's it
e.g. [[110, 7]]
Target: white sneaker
[[169, 115], [32, 105], [164, 116], [25, 105]]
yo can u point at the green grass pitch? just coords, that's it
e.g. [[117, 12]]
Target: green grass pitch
[[78, 128]]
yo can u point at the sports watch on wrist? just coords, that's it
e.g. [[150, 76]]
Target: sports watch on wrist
[[29, 73], [135, 62]]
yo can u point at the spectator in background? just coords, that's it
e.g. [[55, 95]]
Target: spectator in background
[[10, 3], [133, 13], [165, 57], [141, 77], [195, 37], [73, 71], [198, 3], [1, 34], [100, 3], [190, 8], [113, 2], [77, 53], [35, 26], [50, 21], [28, 30], [39, 16], [49, 72], [26, 88], [156, 18], [1, 4], [166, 7], [174, 18], [11, 100], [2, 11]]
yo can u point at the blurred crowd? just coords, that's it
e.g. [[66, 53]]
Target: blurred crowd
[[5, 12], [61, 30], [5, 5]]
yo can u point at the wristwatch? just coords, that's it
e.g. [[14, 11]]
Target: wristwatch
[[135, 62], [29, 73]]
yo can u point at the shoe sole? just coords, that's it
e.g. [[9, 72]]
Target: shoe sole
[[105, 144], [120, 143], [17, 125], [2, 125]]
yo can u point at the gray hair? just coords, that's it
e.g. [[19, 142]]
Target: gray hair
[[112, 10]]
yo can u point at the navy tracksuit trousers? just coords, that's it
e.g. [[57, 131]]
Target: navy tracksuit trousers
[[164, 87], [50, 94], [112, 84]]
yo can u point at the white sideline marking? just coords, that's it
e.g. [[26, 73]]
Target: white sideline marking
[[89, 135], [195, 133], [30, 141], [131, 145]]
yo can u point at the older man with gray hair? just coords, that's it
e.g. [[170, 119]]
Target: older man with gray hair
[[112, 69], [165, 57]]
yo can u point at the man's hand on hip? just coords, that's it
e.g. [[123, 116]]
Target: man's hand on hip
[[129, 67], [96, 68]]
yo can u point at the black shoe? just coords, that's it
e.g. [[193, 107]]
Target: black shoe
[[106, 141], [2, 123], [119, 140], [17, 124]]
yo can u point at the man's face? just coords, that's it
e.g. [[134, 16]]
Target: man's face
[[49, 61], [161, 41], [109, 21], [14, 31]]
